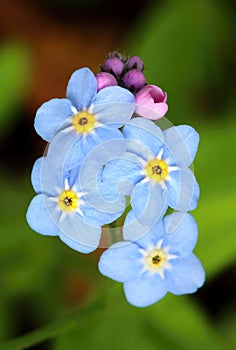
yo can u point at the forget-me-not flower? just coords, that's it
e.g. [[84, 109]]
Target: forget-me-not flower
[[62, 207], [86, 117], [160, 262], [155, 169]]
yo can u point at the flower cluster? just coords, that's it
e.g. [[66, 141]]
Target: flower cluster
[[107, 162]]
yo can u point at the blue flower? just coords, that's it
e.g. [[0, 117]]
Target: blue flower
[[85, 118], [160, 262], [155, 170], [66, 209]]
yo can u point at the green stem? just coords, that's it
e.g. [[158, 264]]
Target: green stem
[[55, 329]]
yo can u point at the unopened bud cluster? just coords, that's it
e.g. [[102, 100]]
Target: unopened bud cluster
[[127, 72]]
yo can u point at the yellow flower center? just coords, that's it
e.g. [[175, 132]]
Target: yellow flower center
[[84, 122], [156, 259], [157, 170], [68, 200]]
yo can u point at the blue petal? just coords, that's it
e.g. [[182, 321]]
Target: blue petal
[[136, 148], [72, 177], [146, 138], [133, 230], [52, 222], [77, 152], [182, 190], [109, 145], [95, 217], [122, 174], [121, 262], [106, 189], [105, 192], [51, 116], [101, 145], [148, 202], [81, 248], [153, 236], [114, 105], [145, 291], [76, 230], [93, 156], [144, 236], [36, 175], [181, 233], [38, 218], [47, 178], [182, 141], [185, 276], [105, 145], [103, 210], [82, 88], [65, 150]]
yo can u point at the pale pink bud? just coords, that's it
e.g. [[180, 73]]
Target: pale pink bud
[[105, 79], [151, 102]]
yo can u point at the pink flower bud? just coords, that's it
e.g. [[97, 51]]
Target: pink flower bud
[[113, 65], [151, 102], [134, 79], [134, 62], [105, 79]]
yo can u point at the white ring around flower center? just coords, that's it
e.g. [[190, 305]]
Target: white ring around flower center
[[156, 259]]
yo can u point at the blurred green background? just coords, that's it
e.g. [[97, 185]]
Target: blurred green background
[[188, 48]]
